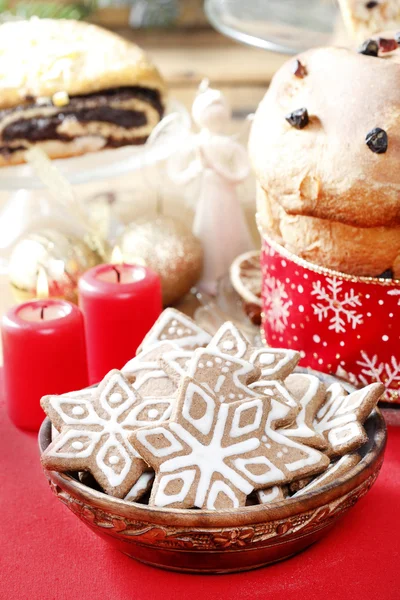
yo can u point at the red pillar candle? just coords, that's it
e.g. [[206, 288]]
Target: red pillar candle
[[120, 304], [44, 353]]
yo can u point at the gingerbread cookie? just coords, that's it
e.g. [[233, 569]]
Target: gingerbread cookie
[[229, 346], [274, 363], [274, 494], [229, 340], [341, 417], [225, 376], [141, 487], [332, 473], [309, 392], [94, 433], [212, 454], [284, 406], [174, 326], [146, 376]]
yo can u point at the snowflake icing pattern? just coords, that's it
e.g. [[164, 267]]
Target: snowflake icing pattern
[[276, 303], [339, 308], [386, 373]]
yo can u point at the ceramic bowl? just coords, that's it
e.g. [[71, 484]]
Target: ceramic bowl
[[202, 541]]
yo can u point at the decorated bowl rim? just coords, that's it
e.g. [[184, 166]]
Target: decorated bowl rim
[[302, 262], [244, 515]]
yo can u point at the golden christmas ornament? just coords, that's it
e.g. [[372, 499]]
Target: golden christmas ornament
[[62, 257], [168, 247]]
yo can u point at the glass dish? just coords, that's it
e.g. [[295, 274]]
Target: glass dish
[[287, 26]]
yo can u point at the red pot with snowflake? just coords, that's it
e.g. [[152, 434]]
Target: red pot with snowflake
[[341, 324]]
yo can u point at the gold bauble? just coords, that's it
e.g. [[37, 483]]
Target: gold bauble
[[62, 257], [167, 246]]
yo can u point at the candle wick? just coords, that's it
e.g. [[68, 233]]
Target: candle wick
[[118, 273], [42, 312]]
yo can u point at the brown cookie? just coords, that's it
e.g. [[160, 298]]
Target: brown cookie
[[230, 340], [145, 374], [332, 473], [140, 488], [274, 363], [212, 454], [94, 432], [309, 392], [341, 416], [209, 454], [284, 406], [225, 376], [270, 495], [174, 326]]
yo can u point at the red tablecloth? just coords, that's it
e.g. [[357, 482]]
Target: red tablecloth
[[46, 553]]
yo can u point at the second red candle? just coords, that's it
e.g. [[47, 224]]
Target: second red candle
[[120, 304]]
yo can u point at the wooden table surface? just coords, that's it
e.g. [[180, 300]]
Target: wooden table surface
[[185, 57]]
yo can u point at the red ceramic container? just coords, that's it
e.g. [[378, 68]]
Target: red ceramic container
[[341, 324]]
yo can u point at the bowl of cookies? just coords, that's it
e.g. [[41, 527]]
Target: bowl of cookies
[[328, 190], [205, 454]]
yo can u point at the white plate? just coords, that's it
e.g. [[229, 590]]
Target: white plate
[[106, 163]]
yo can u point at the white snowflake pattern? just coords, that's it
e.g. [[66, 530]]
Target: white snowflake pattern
[[373, 370], [338, 307], [276, 304]]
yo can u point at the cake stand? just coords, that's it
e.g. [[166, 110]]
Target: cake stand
[[287, 26]]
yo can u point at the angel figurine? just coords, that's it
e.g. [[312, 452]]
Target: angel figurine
[[219, 164]]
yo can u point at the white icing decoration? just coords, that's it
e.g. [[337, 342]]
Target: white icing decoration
[[338, 419], [236, 429], [63, 439], [272, 473], [237, 343], [115, 398], [241, 369], [77, 445], [195, 335], [173, 444], [78, 410], [228, 345], [115, 479], [273, 368], [343, 435], [113, 460], [330, 471], [270, 495], [221, 487], [140, 486], [205, 423], [162, 499], [301, 429], [161, 406]]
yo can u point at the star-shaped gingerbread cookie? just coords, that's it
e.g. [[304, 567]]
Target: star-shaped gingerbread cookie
[[309, 392], [340, 419], [145, 374], [173, 326], [257, 370], [94, 432], [213, 454]]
